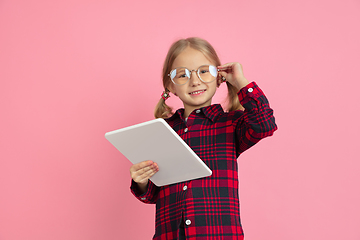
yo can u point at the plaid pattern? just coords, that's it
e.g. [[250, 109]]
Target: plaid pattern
[[210, 206]]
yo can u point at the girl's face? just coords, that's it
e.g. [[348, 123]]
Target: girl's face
[[195, 93]]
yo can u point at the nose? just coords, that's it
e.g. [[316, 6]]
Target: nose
[[194, 78]]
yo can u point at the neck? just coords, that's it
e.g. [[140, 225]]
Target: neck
[[189, 109], [187, 113]]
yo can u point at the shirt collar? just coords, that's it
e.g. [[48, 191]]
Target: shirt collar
[[212, 112]]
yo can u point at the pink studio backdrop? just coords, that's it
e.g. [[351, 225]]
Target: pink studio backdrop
[[72, 70]]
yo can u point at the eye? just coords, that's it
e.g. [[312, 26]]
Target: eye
[[182, 73]]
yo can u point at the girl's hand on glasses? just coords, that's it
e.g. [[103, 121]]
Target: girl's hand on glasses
[[233, 73]]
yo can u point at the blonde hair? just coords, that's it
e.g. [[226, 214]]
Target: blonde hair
[[162, 110]]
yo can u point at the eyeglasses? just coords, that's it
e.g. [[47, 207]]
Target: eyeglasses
[[181, 75]]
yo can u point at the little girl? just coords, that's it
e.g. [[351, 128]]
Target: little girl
[[206, 208]]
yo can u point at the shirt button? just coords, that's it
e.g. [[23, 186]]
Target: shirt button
[[143, 198], [250, 90], [188, 222], [186, 129], [198, 111], [184, 188]]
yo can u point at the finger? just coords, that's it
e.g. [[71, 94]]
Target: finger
[[145, 176], [148, 174], [156, 166], [230, 67], [141, 165], [235, 72], [146, 169], [241, 69], [226, 66], [140, 171], [225, 70]]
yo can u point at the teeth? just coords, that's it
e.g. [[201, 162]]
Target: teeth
[[197, 92]]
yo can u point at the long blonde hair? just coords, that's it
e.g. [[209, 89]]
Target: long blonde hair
[[162, 110]]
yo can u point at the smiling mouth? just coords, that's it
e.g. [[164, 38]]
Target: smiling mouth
[[197, 92]]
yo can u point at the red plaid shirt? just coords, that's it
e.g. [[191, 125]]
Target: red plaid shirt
[[210, 206]]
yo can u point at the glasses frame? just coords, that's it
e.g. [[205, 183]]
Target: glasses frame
[[197, 73]]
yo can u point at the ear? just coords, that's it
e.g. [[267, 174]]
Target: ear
[[171, 88]]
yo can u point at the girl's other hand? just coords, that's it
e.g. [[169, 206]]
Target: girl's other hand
[[141, 172], [233, 72]]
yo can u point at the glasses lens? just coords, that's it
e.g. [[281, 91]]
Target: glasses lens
[[207, 73], [180, 75]]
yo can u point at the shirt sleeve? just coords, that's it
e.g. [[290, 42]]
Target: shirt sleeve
[[257, 120], [150, 196]]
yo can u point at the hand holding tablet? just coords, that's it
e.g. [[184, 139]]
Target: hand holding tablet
[[155, 140], [141, 172]]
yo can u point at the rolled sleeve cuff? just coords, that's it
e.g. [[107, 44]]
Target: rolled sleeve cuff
[[249, 92], [145, 197]]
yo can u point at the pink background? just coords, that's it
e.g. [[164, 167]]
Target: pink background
[[72, 70]]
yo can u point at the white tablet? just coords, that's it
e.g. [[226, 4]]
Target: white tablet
[[155, 140]]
